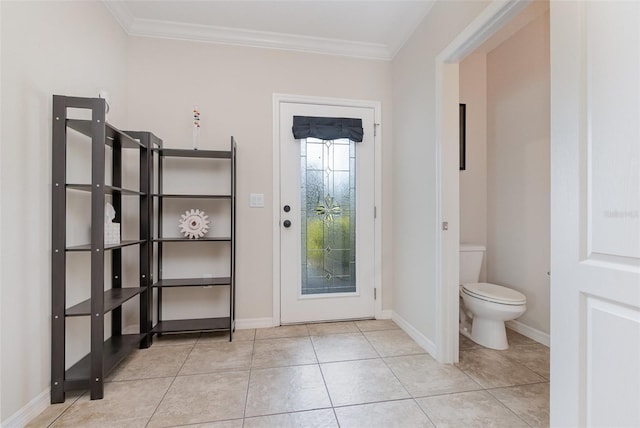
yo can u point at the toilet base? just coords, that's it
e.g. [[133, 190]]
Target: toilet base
[[489, 333]]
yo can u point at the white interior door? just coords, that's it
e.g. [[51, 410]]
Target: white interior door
[[595, 246], [326, 220]]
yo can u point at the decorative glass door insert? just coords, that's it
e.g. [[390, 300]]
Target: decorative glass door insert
[[328, 216]]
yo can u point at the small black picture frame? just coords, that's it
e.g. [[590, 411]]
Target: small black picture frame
[[463, 137]]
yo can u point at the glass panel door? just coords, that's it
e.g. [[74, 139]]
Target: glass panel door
[[327, 267], [328, 216]]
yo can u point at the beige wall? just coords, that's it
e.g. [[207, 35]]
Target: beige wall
[[233, 88], [69, 48], [76, 48], [414, 161], [473, 180], [518, 146]]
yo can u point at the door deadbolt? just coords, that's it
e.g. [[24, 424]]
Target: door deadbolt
[[286, 208]]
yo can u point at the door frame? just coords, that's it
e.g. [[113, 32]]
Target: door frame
[[377, 111], [447, 205]]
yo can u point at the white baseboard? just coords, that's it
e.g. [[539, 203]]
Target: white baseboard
[[530, 332], [32, 409], [420, 338], [387, 314], [246, 323]]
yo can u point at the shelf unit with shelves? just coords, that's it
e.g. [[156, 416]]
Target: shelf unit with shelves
[[217, 323], [90, 371]]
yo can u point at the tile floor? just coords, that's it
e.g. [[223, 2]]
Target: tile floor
[[348, 374]]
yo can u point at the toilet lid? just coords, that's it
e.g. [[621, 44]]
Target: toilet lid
[[494, 293]]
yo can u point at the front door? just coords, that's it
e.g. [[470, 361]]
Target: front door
[[595, 214], [326, 219]]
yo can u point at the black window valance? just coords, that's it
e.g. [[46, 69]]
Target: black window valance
[[327, 128]]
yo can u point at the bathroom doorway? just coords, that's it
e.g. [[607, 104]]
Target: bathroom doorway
[[491, 30], [505, 187], [594, 210]]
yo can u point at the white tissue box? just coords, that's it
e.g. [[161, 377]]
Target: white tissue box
[[111, 233]]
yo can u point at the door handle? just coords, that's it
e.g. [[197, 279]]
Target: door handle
[[287, 223]]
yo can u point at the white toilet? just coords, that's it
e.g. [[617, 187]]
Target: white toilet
[[488, 305]]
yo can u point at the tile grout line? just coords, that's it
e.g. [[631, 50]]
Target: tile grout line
[[172, 381], [343, 406], [489, 389], [507, 407], [212, 347], [282, 337], [192, 424], [360, 359], [324, 381], [65, 410], [294, 364], [246, 397], [411, 397], [457, 365], [442, 394], [493, 388], [512, 359], [520, 365]]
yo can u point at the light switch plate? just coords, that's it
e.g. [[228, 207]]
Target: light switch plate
[[256, 200]]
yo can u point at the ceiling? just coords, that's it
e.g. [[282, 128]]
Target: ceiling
[[374, 29]]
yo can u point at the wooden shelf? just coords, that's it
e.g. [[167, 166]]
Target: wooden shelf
[[110, 190], [113, 298], [114, 351], [113, 134], [87, 247], [190, 153], [201, 324], [205, 239], [193, 282]]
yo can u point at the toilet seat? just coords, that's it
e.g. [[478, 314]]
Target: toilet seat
[[494, 293]]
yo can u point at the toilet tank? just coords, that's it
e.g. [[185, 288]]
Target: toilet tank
[[470, 262]]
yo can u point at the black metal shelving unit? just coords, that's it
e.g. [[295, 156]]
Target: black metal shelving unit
[[89, 372], [224, 323]]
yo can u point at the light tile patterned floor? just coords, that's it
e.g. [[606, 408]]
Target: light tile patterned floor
[[348, 374]]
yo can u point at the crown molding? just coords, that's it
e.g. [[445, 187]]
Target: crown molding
[[232, 36], [121, 12], [487, 23], [258, 39]]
